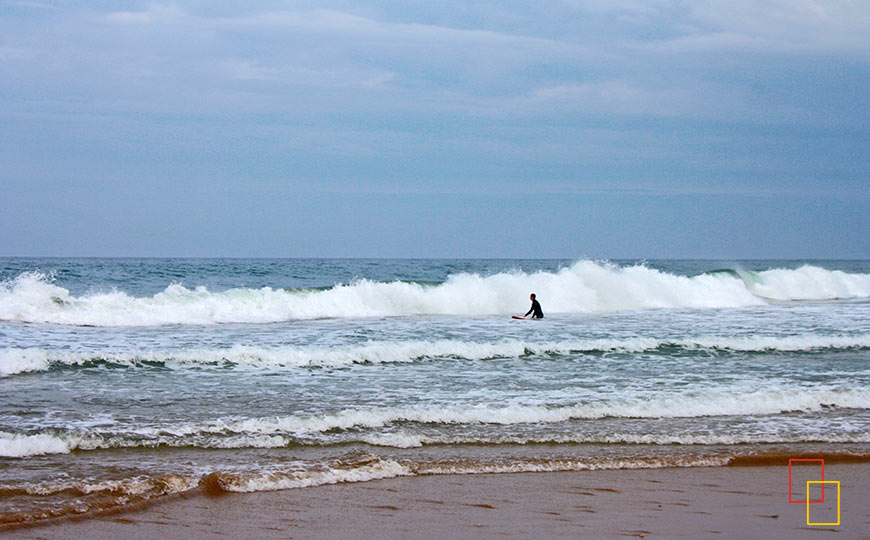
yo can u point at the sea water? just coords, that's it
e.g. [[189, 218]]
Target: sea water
[[124, 380]]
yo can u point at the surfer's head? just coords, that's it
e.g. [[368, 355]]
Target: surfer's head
[[532, 296]]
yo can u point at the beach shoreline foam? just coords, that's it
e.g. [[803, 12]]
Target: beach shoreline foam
[[701, 502]]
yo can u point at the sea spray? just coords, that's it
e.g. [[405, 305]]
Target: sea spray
[[583, 287]]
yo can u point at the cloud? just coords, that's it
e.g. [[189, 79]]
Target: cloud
[[624, 97], [249, 70], [269, 61], [245, 70], [800, 26], [35, 5], [767, 26], [155, 14], [353, 26], [634, 7], [613, 96], [14, 53], [331, 48]]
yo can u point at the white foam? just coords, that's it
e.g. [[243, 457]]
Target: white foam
[[18, 445], [375, 468], [280, 431], [212, 437], [808, 283], [344, 426], [411, 440], [21, 360], [564, 465], [378, 469], [691, 404], [17, 360], [406, 440], [381, 468], [773, 343], [585, 286]]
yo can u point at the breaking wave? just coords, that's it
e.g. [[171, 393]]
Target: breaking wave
[[18, 446], [585, 286], [38, 502], [47, 500], [369, 467], [377, 426], [22, 360]]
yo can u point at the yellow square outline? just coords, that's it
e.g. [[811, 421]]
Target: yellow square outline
[[808, 500]]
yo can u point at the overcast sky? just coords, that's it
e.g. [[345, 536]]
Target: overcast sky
[[575, 128]]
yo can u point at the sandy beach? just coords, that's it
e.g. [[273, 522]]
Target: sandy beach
[[724, 502]]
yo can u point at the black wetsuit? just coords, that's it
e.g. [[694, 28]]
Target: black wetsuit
[[536, 307]]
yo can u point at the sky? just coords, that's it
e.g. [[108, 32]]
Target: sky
[[563, 129]]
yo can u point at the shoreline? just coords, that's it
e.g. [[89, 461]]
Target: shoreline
[[745, 500]]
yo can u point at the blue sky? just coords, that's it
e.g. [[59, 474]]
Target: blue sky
[[575, 128]]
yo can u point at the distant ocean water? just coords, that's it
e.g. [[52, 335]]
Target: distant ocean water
[[123, 380]]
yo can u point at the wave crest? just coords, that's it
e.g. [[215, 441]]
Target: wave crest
[[585, 286], [24, 360], [377, 425]]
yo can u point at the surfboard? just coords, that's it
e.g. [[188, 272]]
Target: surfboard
[[517, 317]]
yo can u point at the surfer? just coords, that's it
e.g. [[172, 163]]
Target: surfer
[[536, 307]]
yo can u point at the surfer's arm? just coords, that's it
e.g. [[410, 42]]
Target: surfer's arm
[[529, 311]]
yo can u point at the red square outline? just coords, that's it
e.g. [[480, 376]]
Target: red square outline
[[789, 482]]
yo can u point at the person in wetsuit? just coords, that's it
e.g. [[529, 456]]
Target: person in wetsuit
[[536, 308]]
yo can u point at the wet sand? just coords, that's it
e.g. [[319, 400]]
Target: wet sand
[[724, 502]]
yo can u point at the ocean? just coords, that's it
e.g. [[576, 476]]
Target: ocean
[[126, 380]]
